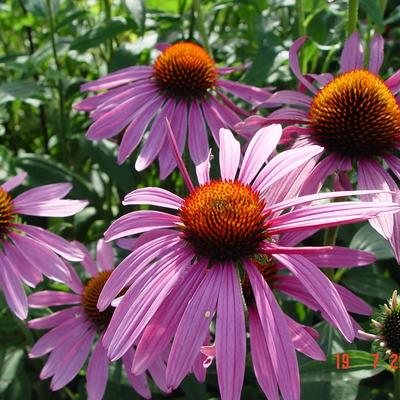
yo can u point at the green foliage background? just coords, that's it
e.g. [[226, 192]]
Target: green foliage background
[[49, 47]]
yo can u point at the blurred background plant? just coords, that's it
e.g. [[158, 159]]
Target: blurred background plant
[[49, 47]]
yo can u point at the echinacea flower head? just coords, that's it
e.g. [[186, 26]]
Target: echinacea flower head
[[354, 116], [27, 251], [184, 85], [229, 236], [76, 330], [386, 327]]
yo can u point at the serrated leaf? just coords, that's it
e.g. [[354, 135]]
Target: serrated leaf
[[368, 239]]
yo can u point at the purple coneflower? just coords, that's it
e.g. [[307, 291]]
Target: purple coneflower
[[188, 266], [183, 85], [355, 116], [74, 329], [26, 251]]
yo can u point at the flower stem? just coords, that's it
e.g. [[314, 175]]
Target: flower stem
[[201, 25], [60, 87], [300, 17], [352, 14]]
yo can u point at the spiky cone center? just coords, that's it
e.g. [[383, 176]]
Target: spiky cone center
[[356, 115], [90, 296], [224, 220], [391, 330], [185, 70], [6, 212], [268, 269]]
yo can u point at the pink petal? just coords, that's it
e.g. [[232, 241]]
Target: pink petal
[[92, 102], [134, 132], [284, 163], [156, 138], [179, 130], [213, 120], [59, 245], [258, 151], [153, 196], [352, 302], [321, 289], [104, 255], [197, 134], [262, 363], [294, 64], [203, 170], [43, 259], [159, 331], [52, 208], [193, 327], [230, 336], [251, 125], [376, 53], [12, 289], [50, 298], [54, 191], [394, 164], [352, 55], [138, 382], [287, 116], [251, 94], [328, 215], [87, 262], [140, 221], [371, 175], [303, 341], [291, 97], [97, 372], [14, 181], [157, 371], [229, 117], [55, 319], [393, 82], [276, 331], [229, 155]]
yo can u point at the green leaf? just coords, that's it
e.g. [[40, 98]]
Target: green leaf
[[17, 90], [361, 366], [369, 283], [368, 239], [8, 367], [102, 33]]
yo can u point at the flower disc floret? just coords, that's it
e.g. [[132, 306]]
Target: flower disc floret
[[90, 296], [224, 220], [391, 331], [6, 211], [356, 115], [185, 70]]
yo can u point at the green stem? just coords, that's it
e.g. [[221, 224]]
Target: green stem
[[396, 381], [60, 87], [352, 16], [300, 17], [107, 10], [201, 25]]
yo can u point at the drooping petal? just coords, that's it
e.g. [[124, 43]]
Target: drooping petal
[[193, 327], [55, 319], [371, 175], [87, 262], [229, 155], [352, 55], [352, 302], [251, 94], [50, 298], [321, 289], [291, 97], [59, 245], [153, 196], [97, 372], [138, 382], [258, 151], [52, 208], [54, 191], [12, 288], [276, 331], [197, 134], [230, 339], [262, 363]]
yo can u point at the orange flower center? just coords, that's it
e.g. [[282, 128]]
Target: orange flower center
[[267, 266], [356, 115], [6, 212], [224, 220], [185, 70], [90, 296]]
